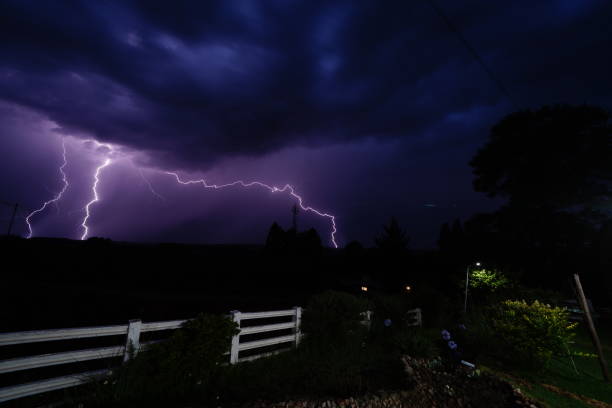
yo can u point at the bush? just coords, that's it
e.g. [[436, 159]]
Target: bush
[[396, 335], [392, 307], [528, 334], [489, 280], [413, 342], [333, 320], [337, 358], [436, 306], [174, 370], [312, 374]]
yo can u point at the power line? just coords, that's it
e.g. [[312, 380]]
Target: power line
[[22, 209], [473, 51]]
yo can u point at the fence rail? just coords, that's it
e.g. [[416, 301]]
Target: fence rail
[[36, 336], [132, 331], [52, 384]]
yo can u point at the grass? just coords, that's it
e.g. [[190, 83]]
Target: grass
[[553, 386]]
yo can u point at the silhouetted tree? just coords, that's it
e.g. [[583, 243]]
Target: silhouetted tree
[[276, 238], [394, 239], [291, 241], [354, 248], [308, 241], [445, 241], [393, 246], [454, 244], [553, 165], [555, 157]]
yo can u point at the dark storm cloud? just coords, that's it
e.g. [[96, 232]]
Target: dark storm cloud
[[194, 82]]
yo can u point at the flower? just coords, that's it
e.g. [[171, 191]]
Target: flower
[[452, 345], [445, 335]]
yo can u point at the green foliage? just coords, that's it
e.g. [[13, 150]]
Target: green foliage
[[532, 294], [528, 334], [415, 343], [175, 369], [393, 307], [398, 337], [312, 373], [489, 280], [337, 357], [488, 286], [334, 320]]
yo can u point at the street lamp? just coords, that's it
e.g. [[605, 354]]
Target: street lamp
[[467, 281]]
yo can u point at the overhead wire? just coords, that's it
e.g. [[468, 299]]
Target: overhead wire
[[453, 28]]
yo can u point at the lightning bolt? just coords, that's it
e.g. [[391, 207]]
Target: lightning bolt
[[57, 197], [151, 189], [96, 198], [272, 189]]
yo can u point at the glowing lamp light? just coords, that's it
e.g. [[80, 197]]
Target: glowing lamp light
[[364, 288], [477, 263], [408, 288]]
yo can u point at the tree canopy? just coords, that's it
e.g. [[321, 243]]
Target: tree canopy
[[556, 157], [394, 238]]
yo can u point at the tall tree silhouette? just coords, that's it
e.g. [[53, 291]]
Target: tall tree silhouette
[[394, 239], [555, 157], [276, 238], [554, 167]]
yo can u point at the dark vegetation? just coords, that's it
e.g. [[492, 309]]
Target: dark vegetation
[[554, 168], [340, 357]]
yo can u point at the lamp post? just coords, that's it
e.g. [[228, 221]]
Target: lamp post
[[467, 282]]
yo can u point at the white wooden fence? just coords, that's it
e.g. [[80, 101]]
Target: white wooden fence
[[132, 346]]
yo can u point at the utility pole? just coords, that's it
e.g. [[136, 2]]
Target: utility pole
[[10, 227], [467, 281], [295, 210], [594, 336]]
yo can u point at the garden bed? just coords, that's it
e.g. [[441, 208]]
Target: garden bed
[[429, 383]]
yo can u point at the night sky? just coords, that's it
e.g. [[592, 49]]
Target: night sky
[[367, 108]]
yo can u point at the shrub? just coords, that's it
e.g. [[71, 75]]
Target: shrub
[[336, 358], [436, 306], [413, 342], [489, 280], [176, 369], [312, 373], [333, 320], [396, 335], [393, 307], [528, 334]]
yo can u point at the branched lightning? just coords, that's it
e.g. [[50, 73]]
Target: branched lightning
[[272, 189], [108, 160], [57, 197], [96, 198], [148, 183]]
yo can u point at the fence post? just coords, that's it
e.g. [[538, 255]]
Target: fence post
[[368, 319], [298, 325], [594, 337], [236, 338], [132, 343], [419, 317]]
